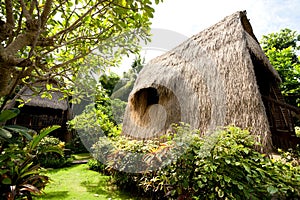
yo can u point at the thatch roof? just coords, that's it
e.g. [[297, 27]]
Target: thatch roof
[[31, 98], [208, 81]]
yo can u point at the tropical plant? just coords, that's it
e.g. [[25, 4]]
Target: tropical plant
[[223, 165], [96, 165], [19, 175], [282, 48], [51, 153]]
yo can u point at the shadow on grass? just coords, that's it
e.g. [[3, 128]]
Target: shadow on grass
[[103, 187], [54, 195], [78, 182]]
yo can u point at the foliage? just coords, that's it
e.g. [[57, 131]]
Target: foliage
[[104, 117], [7, 130], [53, 153], [230, 168], [297, 131], [291, 155], [224, 165], [95, 165], [281, 49], [19, 175], [94, 123], [118, 110], [125, 85], [76, 145], [49, 39], [108, 82]]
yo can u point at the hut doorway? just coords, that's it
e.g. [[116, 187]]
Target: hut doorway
[[156, 105], [278, 112]]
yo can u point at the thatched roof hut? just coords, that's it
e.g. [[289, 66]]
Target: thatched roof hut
[[39, 112], [216, 78]]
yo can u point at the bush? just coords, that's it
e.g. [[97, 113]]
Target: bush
[[53, 159], [228, 167], [20, 177], [224, 165], [97, 166], [75, 145], [297, 131]]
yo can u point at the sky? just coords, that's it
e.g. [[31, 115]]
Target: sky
[[189, 17], [192, 16]]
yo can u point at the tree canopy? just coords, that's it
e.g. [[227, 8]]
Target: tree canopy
[[49, 39], [281, 49]]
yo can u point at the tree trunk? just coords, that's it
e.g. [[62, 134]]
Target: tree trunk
[[5, 80]]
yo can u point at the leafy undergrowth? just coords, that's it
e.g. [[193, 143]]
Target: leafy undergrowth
[[223, 165], [77, 182]]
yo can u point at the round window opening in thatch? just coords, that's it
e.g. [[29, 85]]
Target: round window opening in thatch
[[144, 98], [155, 107]]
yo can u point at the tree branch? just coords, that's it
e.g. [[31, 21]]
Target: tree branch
[[9, 14], [17, 32], [71, 60], [32, 6], [38, 31], [79, 21], [7, 59], [46, 12], [25, 12], [20, 42]]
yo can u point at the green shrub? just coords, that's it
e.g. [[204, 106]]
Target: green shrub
[[228, 167], [53, 159], [297, 131], [20, 177], [224, 165], [75, 145], [291, 155], [94, 123], [97, 166]]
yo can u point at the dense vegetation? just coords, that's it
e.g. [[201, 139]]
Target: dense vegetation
[[223, 165], [90, 36], [54, 39], [282, 49], [19, 167]]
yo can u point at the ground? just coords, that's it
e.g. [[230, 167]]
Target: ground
[[79, 183]]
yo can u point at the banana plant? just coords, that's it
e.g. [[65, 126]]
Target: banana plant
[[19, 173], [6, 130]]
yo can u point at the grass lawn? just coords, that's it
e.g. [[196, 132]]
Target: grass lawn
[[77, 182]]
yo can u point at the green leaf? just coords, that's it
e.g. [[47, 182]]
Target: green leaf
[[227, 179], [246, 150], [6, 181], [54, 149], [272, 190], [21, 130], [43, 133], [48, 86], [240, 187], [246, 167], [220, 193], [8, 114], [5, 133]]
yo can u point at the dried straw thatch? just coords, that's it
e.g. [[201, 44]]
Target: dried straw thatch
[[208, 81], [39, 112], [27, 95]]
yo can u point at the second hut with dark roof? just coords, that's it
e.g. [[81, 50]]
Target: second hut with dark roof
[[39, 112]]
